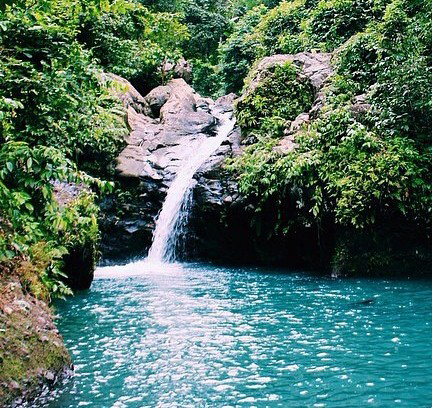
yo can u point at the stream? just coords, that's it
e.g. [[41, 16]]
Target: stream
[[196, 335]]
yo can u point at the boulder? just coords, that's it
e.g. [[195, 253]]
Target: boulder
[[314, 65], [157, 98], [181, 69], [124, 90]]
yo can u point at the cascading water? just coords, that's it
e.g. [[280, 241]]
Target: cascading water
[[175, 210]]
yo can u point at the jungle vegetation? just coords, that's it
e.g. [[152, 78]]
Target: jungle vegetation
[[60, 123]]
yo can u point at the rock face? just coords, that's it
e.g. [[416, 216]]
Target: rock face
[[166, 127], [316, 67], [80, 262], [32, 353]]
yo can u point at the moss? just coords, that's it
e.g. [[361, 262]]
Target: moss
[[282, 95], [31, 351]]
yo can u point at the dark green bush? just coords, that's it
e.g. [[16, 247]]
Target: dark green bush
[[357, 60], [333, 22], [240, 51]]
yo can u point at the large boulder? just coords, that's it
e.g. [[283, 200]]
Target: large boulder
[[315, 66]]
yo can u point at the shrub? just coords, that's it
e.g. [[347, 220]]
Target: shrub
[[331, 23], [278, 30], [240, 51], [357, 60], [135, 42]]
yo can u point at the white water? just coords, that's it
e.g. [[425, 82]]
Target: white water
[[175, 210]]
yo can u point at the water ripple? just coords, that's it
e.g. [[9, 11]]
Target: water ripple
[[200, 336]]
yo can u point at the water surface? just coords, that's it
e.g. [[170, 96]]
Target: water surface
[[203, 336]]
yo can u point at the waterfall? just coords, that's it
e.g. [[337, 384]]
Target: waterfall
[[173, 217]]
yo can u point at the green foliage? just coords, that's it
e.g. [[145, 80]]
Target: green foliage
[[357, 59], [206, 78], [278, 31], [207, 23], [134, 43], [349, 169], [240, 50], [56, 120], [333, 22], [281, 95]]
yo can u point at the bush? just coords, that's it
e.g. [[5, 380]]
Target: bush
[[56, 120], [134, 43], [240, 51], [278, 30], [206, 79], [331, 23], [357, 58]]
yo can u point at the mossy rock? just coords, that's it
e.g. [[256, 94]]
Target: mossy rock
[[278, 93], [32, 353]]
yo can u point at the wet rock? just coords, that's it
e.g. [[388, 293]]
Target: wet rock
[[158, 144]]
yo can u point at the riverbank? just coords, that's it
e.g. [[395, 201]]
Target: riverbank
[[32, 352]]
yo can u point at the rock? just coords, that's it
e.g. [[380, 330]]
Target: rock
[[157, 98], [360, 106], [124, 90], [226, 103], [64, 193], [79, 262], [21, 337], [8, 310], [314, 66], [181, 69], [49, 375], [161, 138], [286, 145]]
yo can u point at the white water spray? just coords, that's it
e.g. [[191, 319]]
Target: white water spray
[[175, 210]]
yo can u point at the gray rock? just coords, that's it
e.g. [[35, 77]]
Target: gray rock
[[124, 90], [157, 98], [314, 66], [181, 69], [174, 125], [360, 106], [226, 103]]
